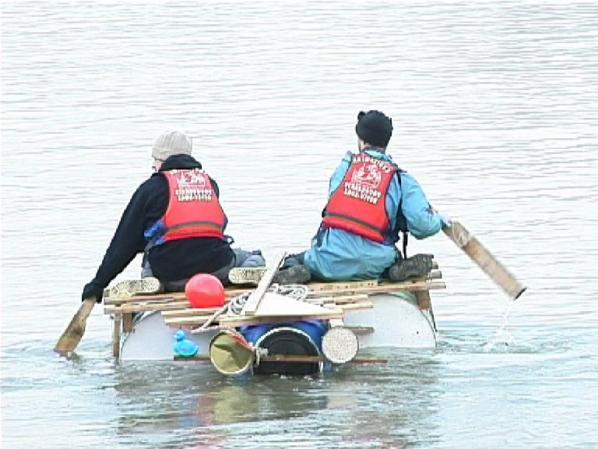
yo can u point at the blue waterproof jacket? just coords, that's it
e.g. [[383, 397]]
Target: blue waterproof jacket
[[340, 255]]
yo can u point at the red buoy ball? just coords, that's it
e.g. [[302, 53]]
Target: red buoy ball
[[204, 290]]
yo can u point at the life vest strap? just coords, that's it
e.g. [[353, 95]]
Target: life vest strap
[[354, 220]]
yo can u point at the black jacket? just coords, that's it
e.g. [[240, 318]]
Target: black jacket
[[171, 261]]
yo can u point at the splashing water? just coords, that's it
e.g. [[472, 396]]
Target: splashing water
[[502, 338]]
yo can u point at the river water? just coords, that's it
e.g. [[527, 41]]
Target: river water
[[495, 112]]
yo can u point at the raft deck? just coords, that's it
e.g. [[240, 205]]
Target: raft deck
[[337, 298]]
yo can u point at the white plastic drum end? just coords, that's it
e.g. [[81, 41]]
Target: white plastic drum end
[[340, 345]]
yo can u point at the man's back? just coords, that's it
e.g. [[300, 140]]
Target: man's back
[[175, 260]]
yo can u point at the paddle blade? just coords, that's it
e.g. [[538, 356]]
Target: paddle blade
[[484, 259], [76, 328]]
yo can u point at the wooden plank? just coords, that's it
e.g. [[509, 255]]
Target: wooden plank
[[187, 321], [70, 338], [336, 322], [239, 320], [398, 287], [145, 306], [252, 321], [316, 289], [348, 285], [341, 299], [436, 274], [127, 322], [484, 259], [190, 312], [253, 302], [274, 304], [181, 308], [116, 329], [357, 306], [288, 359], [163, 298], [168, 297], [423, 300], [361, 330]]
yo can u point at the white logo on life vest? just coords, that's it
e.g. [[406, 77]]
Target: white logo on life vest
[[365, 182], [362, 192], [362, 158], [192, 187], [193, 194]]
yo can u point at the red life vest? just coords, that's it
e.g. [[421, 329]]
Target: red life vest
[[193, 207], [358, 205]]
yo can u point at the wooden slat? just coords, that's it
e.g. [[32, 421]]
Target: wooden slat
[[127, 322], [186, 320], [163, 297], [236, 321], [253, 302], [316, 290], [362, 305], [436, 274], [190, 312], [116, 329], [361, 330], [336, 322], [181, 308], [341, 299], [235, 291], [288, 359], [423, 300], [146, 307], [399, 287], [348, 285], [252, 320]]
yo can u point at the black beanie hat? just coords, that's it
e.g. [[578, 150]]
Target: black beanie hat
[[374, 128]]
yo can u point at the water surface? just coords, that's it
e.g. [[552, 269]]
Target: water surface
[[494, 105]]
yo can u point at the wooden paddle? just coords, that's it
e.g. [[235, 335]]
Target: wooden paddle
[[484, 259], [76, 328]]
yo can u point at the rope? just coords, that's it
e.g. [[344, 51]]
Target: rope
[[235, 305]]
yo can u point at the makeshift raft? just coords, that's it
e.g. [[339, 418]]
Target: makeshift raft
[[376, 314]]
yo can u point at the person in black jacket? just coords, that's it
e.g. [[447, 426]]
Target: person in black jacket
[[171, 259]]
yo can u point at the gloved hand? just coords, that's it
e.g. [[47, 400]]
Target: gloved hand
[[93, 290], [446, 221]]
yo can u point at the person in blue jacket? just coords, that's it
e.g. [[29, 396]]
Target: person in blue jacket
[[370, 201]]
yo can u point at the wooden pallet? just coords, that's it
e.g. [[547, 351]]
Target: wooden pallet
[[316, 289]]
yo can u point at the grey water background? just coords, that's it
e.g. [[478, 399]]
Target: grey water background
[[495, 112]]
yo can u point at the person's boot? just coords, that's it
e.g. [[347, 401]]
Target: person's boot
[[143, 286], [412, 267], [246, 275], [298, 274]]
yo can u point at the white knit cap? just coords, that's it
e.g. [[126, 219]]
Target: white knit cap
[[171, 143]]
